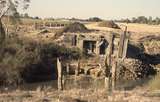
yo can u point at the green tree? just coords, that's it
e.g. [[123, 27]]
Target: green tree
[[157, 21], [26, 15], [95, 19], [142, 19], [134, 20], [150, 20]]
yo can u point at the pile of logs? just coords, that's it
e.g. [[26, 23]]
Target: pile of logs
[[133, 69]]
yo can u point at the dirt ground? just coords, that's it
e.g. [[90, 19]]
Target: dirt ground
[[80, 95]]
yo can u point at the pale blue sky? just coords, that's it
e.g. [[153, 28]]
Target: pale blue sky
[[106, 9]]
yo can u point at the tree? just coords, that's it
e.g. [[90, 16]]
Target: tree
[[95, 19], [142, 19], [150, 20], [134, 20], [26, 15], [157, 21], [9, 7]]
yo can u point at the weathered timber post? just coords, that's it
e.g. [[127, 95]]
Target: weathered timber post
[[77, 69], [2, 38], [121, 44], [108, 63], [122, 50], [60, 75], [67, 68], [114, 69], [2, 33]]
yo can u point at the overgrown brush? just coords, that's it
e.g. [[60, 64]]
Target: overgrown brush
[[22, 58]]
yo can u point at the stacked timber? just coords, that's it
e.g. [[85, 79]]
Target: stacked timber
[[133, 69]]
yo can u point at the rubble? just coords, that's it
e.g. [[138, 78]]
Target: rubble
[[75, 27], [152, 47], [133, 69], [110, 24]]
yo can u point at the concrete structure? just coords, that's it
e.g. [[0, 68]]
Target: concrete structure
[[89, 43]]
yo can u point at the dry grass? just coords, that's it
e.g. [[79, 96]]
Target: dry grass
[[137, 30], [154, 84], [142, 28], [77, 95]]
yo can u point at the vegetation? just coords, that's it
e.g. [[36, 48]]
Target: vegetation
[[9, 8], [94, 19], [23, 58], [154, 83], [142, 20]]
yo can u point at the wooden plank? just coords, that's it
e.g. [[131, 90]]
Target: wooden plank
[[111, 47]]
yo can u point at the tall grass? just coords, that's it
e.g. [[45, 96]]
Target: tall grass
[[154, 84]]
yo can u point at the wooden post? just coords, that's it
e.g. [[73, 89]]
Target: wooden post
[[122, 44], [67, 68], [122, 52], [125, 47], [114, 67], [60, 75], [108, 63], [77, 69]]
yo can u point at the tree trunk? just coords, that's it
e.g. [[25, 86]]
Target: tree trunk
[[2, 38], [2, 34]]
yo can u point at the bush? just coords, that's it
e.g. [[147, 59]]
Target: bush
[[22, 59], [94, 19]]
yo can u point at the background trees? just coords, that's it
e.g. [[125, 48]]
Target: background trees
[[141, 20]]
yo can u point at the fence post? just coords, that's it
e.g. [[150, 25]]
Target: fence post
[[67, 68], [108, 63], [123, 44], [114, 69], [122, 52], [60, 75], [77, 69]]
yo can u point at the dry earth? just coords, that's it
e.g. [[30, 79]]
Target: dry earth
[[137, 30], [80, 95]]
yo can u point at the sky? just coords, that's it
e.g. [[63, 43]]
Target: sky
[[106, 9]]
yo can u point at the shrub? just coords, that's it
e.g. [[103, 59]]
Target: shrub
[[23, 58]]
